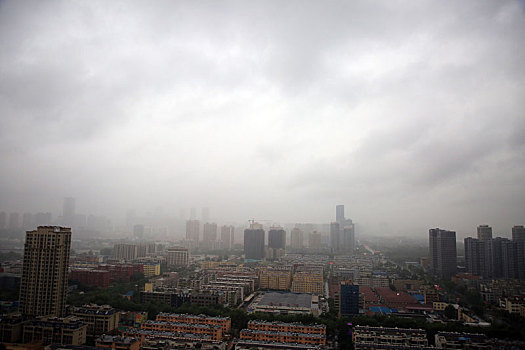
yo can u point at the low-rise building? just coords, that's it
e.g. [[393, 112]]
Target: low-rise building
[[213, 331], [224, 322], [454, 340], [90, 276], [276, 278], [99, 319], [117, 342], [10, 328], [512, 304], [151, 269], [363, 336], [68, 331]]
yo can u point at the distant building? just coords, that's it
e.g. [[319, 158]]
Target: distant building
[[297, 238], [442, 253], [484, 232], [276, 242], [314, 240], [518, 233], [192, 230], [178, 256], [209, 232], [227, 237], [254, 243], [342, 233], [43, 286], [454, 340], [3, 220]]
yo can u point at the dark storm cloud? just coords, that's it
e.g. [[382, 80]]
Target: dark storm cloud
[[412, 111]]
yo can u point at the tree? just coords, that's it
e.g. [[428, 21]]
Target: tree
[[451, 312]]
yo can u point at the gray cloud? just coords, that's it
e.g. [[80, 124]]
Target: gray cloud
[[411, 112]]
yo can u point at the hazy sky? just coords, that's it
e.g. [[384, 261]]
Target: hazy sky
[[411, 113]]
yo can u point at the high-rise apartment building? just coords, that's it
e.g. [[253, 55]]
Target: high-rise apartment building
[[442, 252], [227, 236], [297, 238], [192, 230], [43, 285], [484, 232], [348, 299], [314, 240], [209, 233], [254, 242], [276, 242], [342, 233], [478, 257], [518, 233]]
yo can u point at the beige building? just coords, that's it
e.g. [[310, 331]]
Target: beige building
[[99, 319], [151, 269], [43, 285], [193, 230], [275, 278], [178, 256], [308, 282]]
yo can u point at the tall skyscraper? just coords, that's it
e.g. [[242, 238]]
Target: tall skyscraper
[[43, 285], [192, 230], [254, 242], [442, 252], [276, 242], [297, 238], [518, 233], [478, 256], [227, 236], [209, 233], [342, 233], [68, 211], [484, 232], [335, 244]]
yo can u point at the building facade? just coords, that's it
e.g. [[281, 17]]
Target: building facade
[[43, 286], [442, 253]]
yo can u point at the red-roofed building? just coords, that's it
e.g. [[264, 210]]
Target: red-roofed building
[[395, 299]]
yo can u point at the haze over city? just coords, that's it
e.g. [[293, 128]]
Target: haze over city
[[409, 113]]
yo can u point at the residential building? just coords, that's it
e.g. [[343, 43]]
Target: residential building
[[364, 336], [99, 319], [227, 237], [454, 340], [193, 230], [254, 243], [518, 233], [348, 299], [178, 256], [43, 286], [484, 232], [67, 331], [297, 238], [224, 322], [117, 342], [442, 253]]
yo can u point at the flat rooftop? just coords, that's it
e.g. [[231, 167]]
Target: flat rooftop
[[286, 299]]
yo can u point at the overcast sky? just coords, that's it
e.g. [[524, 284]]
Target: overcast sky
[[411, 113]]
